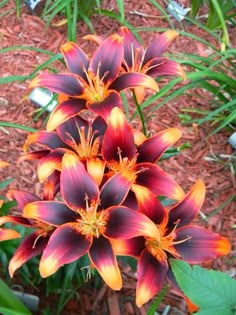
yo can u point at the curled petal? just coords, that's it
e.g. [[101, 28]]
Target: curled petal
[[103, 108], [22, 197], [114, 191], [50, 163], [118, 140], [151, 274], [30, 247], [65, 246], [15, 219], [159, 45], [104, 260], [50, 212], [200, 244], [153, 148], [64, 83], [149, 204], [75, 58], [7, 234], [159, 182], [51, 186], [64, 111], [168, 67], [107, 59], [37, 155], [77, 186], [123, 222], [134, 79], [128, 247], [96, 38], [186, 210], [50, 139]]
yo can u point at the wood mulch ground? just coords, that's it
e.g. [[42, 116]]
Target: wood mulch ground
[[29, 30]]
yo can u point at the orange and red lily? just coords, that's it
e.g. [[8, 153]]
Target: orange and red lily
[[91, 83], [87, 221], [178, 238], [76, 136], [137, 163], [149, 60], [35, 242]]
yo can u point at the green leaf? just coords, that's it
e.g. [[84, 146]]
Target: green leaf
[[209, 289], [9, 303], [6, 182]]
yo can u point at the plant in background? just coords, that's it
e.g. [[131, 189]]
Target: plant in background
[[104, 198]]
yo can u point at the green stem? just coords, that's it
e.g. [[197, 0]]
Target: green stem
[[140, 114], [17, 126]]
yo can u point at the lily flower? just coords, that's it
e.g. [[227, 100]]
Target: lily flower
[[75, 136], [178, 238], [91, 219], [35, 242], [94, 84], [137, 163], [149, 60]]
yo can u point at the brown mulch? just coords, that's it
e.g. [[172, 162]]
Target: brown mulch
[[29, 30]]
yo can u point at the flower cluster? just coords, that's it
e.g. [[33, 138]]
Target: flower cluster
[[101, 182]]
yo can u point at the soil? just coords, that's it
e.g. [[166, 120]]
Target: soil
[[193, 163]]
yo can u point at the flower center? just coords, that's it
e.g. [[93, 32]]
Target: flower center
[[125, 166], [158, 248], [91, 223], [96, 90], [88, 146]]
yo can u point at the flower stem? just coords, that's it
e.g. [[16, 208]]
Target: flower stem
[[140, 114]]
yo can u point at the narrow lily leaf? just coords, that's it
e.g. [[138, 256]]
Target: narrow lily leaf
[[209, 289], [6, 182], [9, 302]]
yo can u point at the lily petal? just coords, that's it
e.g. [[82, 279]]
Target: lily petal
[[7, 234], [64, 83], [130, 80], [22, 197], [51, 212], [64, 111], [37, 155], [68, 131], [200, 244], [31, 246], [118, 140], [131, 48], [167, 68], [50, 163], [128, 247], [50, 139], [107, 59], [95, 168], [123, 223], [104, 107], [159, 182], [186, 210], [65, 246], [15, 219], [159, 45], [151, 274], [51, 186], [153, 148], [76, 59], [104, 260], [149, 204], [77, 186], [114, 191]]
